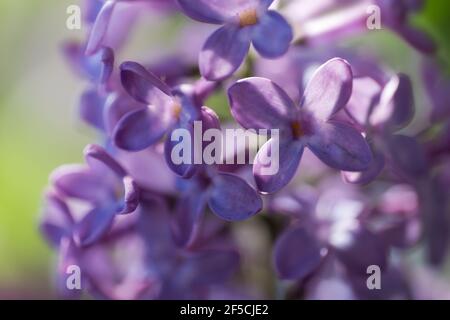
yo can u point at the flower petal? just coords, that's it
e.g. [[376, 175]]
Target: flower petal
[[188, 215], [139, 129], [100, 27], [91, 108], [341, 147], [270, 176], [224, 52], [233, 199], [367, 176], [80, 182], [297, 254], [69, 255], [272, 35], [143, 85], [329, 89], [218, 11], [94, 225], [57, 221], [258, 103], [396, 107]]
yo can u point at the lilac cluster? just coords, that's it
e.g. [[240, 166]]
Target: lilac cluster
[[361, 180]]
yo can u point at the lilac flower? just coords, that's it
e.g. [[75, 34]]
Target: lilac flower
[[103, 184], [244, 22], [258, 103], [182, 273], [227, 195], [164, 110], [334, 229]]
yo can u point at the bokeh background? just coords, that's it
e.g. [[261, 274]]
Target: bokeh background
[[39, 129]]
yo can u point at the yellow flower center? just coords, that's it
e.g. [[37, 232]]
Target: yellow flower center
[[248, 17], [176, 110], [297, 130]]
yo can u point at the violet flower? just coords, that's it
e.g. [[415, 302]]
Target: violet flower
[[227, 195], [258, 103], [244, 22], [103, 184], [163, 111]]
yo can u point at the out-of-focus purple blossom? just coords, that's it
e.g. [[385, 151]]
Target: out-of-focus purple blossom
[[305, 124], [163, 111], [244, 22], [226, 194], [104, 185], [324, 21]]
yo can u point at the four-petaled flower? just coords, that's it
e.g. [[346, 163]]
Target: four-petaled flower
[[244, 22], [258, 103]]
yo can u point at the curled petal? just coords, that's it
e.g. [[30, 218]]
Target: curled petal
[[329, 89], [139, 129], [130, 196], [341, 147], [98, 31], [224, 52], [233, 199], [276, 164], [57, 221], [297, 254], [94, 225], [143, 85], [272, 35], [98, 158], [396, 107], [258, 103], [76, 181]]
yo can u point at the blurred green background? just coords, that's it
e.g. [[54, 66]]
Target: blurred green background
[[39, 129]]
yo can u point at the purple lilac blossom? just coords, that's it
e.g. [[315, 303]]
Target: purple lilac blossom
[[140, 226], [244, 22]]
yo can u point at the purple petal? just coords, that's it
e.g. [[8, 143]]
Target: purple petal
[[368, 175], [100, 160], [219, 11], [94, 225], [272, 35], [233, 199], [258, 103], [361, 249], [396, 107], [115, 108], [188, 215], [365, 95], [184, 170], [76, 181], [341, 147], [211, 267], [224, 52], [418, 39], [100, 27], [297, 254], [57, 221], [139, 129], [329, 89], [91, 108], [142, 85], [268, 177]]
